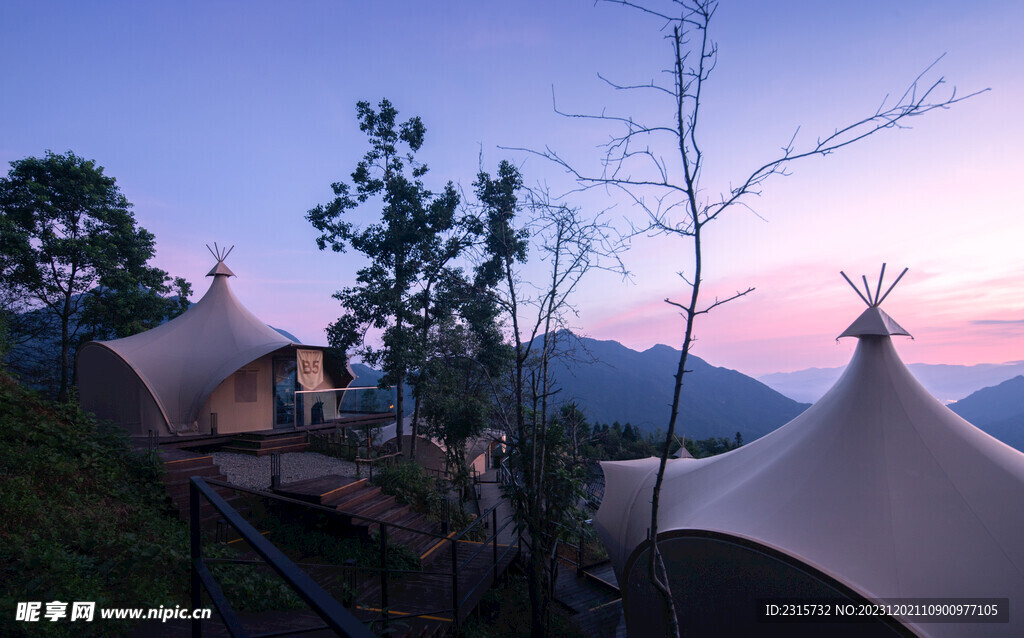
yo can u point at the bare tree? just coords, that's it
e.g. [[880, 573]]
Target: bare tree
[[670, 193], [546, 484]]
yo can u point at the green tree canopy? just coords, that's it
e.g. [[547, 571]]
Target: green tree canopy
[[71, 251], [412, 229]]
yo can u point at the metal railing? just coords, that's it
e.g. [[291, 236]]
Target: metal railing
[[386, 575], [313, 407], [334, 614], [576, 556], [340, 443]]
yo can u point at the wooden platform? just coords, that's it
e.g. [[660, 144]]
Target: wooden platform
[[317, 490], [344, 420], [263, 443], [593, 599]]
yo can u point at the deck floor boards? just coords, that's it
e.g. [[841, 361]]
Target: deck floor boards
[[315, 487]]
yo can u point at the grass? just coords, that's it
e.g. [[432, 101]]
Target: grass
[[84, 518]]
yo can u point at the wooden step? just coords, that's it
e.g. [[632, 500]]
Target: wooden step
[[337, 495], [180, 460], [263, 451], [183, 475], [352, 501], [373, 507], [397, 513], [414, 540], [278, 441], [180, 490]]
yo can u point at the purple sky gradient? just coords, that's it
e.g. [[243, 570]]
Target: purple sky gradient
[[227, 121]]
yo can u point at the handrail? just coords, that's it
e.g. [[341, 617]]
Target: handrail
[[330, 610], [320, 508], [483, 516], [384, 572], [483, 544]]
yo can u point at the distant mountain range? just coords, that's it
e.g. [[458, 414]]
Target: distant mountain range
[[998, 410], [946, 383], [612, 383], [609, 382]]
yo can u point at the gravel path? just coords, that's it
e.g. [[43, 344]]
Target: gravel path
[[254, 471]]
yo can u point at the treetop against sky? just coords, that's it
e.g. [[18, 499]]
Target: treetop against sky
[[228, 121]]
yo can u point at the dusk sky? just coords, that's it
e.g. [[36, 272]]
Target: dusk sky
[[226, 121]]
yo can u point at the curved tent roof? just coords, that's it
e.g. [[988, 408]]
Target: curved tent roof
[[182, 361], [877, 485]]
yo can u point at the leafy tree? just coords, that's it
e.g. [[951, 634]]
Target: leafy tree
[[127, 305], [70, 249], [547, 483], [413, 222], [456, 388]]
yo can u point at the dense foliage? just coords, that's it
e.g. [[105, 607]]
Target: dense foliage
[[412, 485], [73, 266], [83, 518], [410, 235]]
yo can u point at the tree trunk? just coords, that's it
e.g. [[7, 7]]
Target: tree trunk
[[65, 348]]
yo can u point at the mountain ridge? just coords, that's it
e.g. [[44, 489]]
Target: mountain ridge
[[625, 385], [946, 382]]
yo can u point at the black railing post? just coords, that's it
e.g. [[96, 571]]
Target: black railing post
[[384, 573], [275, 470], [494, 542], [455, 584], [197, 555], [350, 581], [579, 555]]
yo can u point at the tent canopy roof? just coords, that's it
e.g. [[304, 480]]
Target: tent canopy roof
[[182, 361], [877, 485]]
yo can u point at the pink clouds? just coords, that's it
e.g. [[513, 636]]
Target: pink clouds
[[792, 318]]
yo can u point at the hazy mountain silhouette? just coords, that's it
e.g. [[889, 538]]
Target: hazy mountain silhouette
[[945, 382], [998, 410], [611, 383]]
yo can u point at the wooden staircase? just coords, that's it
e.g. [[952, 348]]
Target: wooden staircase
[[179, 466], [263, 443], [359, 498]]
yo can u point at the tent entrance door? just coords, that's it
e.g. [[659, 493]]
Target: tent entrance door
[[285, 385]]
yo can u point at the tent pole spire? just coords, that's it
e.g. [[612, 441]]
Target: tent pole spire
[[867, 289], [855, 288], [218, 253], [893, 285], [878, 290]]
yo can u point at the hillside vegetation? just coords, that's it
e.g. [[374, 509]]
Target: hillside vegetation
[[84, 518]]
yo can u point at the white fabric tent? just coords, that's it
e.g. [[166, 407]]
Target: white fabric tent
[[178, 363], [878, 486]]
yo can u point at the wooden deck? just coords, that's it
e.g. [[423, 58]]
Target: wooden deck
[[593, 599], [344, 420], [317, 490]]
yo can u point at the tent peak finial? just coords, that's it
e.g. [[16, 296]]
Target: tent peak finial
[[220, 254], [874, 321], [873, 300]]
